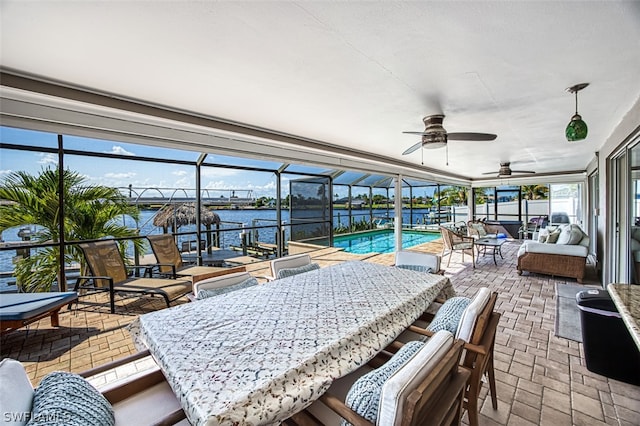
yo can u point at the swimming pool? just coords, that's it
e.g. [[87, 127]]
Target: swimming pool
[[381, 241]]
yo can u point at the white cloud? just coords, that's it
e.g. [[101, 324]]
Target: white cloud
[[180, 172], [117, 149], [5, 172], [127, 175], [47, 159], [219, 172]]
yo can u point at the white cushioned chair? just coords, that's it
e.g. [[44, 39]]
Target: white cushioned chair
[[142, 399], [425, 388], [477, 327], [219, 282], [288, 262], [409, 259]]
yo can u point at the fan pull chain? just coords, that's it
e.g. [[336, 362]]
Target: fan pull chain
[[422, 156], [446, 149]]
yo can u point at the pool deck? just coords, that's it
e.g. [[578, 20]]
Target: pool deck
[[541, 378]]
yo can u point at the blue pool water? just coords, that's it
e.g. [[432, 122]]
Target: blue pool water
[[382, 241]]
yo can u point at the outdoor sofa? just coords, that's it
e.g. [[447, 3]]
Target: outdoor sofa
[[560, 251]]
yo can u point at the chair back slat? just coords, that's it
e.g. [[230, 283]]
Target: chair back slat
[[446, 238], [104, 259], [166, 251]]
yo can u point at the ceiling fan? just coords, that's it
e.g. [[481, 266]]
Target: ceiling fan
[[435, 136], [505, 171]]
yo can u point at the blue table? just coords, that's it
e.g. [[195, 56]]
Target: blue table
[[20, 309]]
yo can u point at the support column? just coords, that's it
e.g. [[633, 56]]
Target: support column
[[398, 212]]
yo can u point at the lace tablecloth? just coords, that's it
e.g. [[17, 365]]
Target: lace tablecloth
[[259, 355]]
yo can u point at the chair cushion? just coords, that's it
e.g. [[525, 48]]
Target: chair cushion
[[68, 399], [364, 395], [479, 228], [16, 393], [289, 272], [210, 292], [419, 268], [398, 387], [471, 313], [449, 315]]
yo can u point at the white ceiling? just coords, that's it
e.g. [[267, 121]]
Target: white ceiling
[[355, 74]]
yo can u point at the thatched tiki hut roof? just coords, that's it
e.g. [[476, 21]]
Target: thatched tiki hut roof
[[174, 216]]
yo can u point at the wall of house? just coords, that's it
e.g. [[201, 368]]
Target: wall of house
[[624, 131]]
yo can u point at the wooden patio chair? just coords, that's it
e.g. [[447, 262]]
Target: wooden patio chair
[[479, 346], [141, 399], [418, 261], [453, 241], [426, 389], [289, 265], [227, 282], [109, 274], [170, 261]]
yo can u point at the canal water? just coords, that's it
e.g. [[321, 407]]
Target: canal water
[[230, 219]]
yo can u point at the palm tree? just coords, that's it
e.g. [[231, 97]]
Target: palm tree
[[535, 192], [453, 196], [90, 213]]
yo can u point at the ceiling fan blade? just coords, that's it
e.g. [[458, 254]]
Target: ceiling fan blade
[[472, 136], [490, 173], [415, 133], [412, 148], [522, 171]]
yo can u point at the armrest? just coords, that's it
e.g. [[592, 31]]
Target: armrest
[[343, 411], [113, 364], [265, 277], [92, 278]]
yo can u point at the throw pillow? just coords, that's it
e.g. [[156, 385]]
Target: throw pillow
[[449, 314], [70, 400], [289, 272], [364, 395], [575, 235], [565, 234], [552, 238], [419, 268], [543, 238], [210, 292], [16, 393]]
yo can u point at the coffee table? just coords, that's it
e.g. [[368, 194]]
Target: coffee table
[[495, 243]]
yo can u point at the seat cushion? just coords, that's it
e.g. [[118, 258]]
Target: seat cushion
[[471, 313], [16, 393], [419, 268], [364, 395], [68, 399], [289, 272], [449, 315], [398, 387], [210, 292]]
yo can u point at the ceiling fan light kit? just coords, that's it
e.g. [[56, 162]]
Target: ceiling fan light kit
[[505, 171], [434, 135], [577, 128]]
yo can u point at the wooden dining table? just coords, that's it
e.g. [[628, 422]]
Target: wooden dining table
[[259, 355]]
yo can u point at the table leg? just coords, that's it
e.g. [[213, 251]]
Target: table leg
[[494, 256], [55, 321]]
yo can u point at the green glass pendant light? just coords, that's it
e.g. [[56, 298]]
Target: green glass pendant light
[[577, 128]]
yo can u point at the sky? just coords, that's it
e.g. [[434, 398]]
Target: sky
[[149, 178], [139, 174]]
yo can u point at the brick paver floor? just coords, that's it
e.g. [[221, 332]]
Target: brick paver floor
[[541, 378]]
